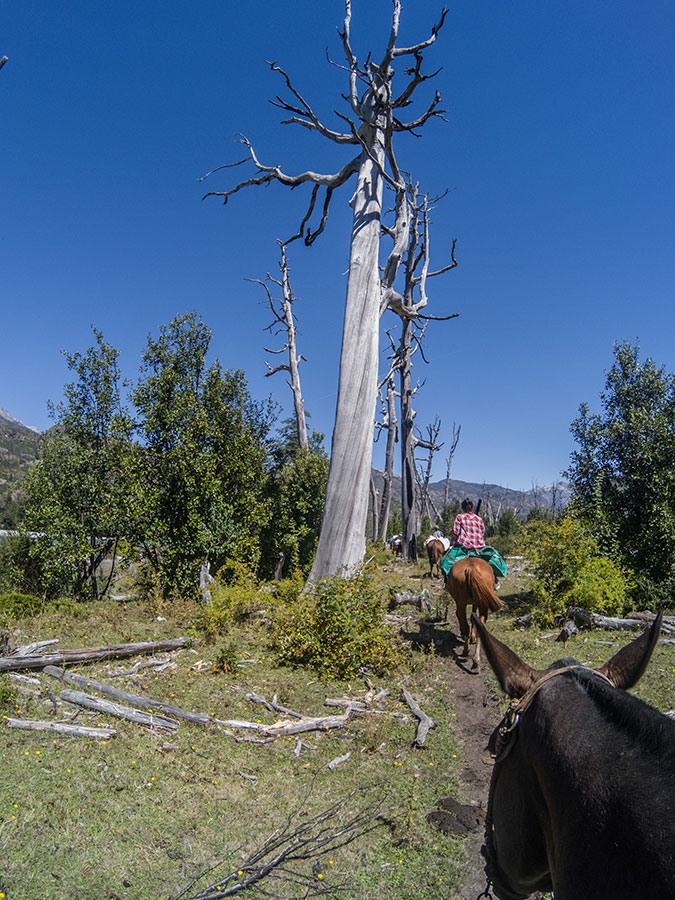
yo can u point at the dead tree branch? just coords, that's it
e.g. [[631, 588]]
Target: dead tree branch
[[426, 722], [291, 856]]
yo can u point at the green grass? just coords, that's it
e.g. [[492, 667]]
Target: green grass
[[140, 816]]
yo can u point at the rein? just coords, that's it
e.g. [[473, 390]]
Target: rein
[[500, 745]]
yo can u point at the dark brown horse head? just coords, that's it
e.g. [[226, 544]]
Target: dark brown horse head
[[583, 785]]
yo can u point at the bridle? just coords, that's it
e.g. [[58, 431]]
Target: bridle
[[502, 741]]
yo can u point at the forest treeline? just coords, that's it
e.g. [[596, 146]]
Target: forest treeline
[[185, 468], [182, 468]]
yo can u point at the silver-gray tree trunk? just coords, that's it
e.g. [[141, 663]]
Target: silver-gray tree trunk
[[342, 542]]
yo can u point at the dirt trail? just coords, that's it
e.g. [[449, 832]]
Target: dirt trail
[[476, 708]]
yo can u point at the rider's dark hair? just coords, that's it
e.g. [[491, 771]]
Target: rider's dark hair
[[467, 505]]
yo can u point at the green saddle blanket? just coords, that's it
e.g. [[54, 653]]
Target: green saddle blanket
[[489, 554]]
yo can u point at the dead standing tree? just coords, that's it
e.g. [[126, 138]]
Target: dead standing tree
[[456, 431], [371, 125], [284, 320], [410, 307], [425, 502], [389, 423]]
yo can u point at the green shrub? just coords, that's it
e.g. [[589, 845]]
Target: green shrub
[[14, 605], [568, 570], [337, 628], [7, 693], [600, 587]]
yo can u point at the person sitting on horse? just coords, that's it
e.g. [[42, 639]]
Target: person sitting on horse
[[469, 529]]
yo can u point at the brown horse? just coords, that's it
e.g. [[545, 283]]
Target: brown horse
[[583, 787], [472, 581], [435, 551]]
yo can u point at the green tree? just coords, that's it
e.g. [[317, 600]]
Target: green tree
[[623, 473], [78, 497], [298, 478], [507, 531], [205, 449]]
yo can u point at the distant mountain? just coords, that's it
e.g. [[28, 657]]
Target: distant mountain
[[492, 496], [18, 450], [7, 419]]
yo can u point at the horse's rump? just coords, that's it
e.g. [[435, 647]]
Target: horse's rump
[[474, 577]]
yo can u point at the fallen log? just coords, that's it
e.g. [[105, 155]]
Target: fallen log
[[320, 723], [88, 654], [32, 649], [426, 722], [422, 600], [359, 708], [584, 617], [102, 733], [152, 720], [132, 699]]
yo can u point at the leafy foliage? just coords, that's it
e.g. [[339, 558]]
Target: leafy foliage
[[569, 570], [78, 499], [623, 474], [507, 532], [204, 460], [337, 629], [297, 490]]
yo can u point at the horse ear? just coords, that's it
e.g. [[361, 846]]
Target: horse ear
[[514, 675], [627, 666]]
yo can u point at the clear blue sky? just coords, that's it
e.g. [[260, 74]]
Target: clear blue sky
[[558, 153]]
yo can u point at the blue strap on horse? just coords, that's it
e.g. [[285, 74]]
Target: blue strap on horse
[[489, 554]]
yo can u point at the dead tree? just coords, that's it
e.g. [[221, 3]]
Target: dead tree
[[284, 321], [426, 505], [370, 125], [410, 306], [453, 446], [389, 424]]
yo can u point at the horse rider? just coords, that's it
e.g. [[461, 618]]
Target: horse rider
[[468, 530]]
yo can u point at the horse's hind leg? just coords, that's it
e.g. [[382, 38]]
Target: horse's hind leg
[[463, 626], [475, 665]]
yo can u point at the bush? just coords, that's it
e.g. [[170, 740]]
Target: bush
[[337, 629], [568, 570], [14, 605], [235, 596]]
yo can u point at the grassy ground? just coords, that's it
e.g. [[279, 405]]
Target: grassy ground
[[140, 816]]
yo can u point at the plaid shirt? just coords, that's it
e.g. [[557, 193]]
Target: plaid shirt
[[469, 531]]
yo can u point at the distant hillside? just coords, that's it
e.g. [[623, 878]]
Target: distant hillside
[[492, 495], [18, 450]]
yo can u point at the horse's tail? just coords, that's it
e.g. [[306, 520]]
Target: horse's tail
[[482, 592]]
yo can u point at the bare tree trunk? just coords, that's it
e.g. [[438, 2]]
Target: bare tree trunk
[[284, 320], [409, 521], [342, 544], [392, 437], [374, 510], [455, 440]]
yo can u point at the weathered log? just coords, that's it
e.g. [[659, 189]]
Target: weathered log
[[78, 698], [320, 723], [102, 733], [88, 654], [132, 699], [273, 706], [359, 708], [421, 600], [426, 722], [584, 617], [334, 763], [667, 623], [32, 649]]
